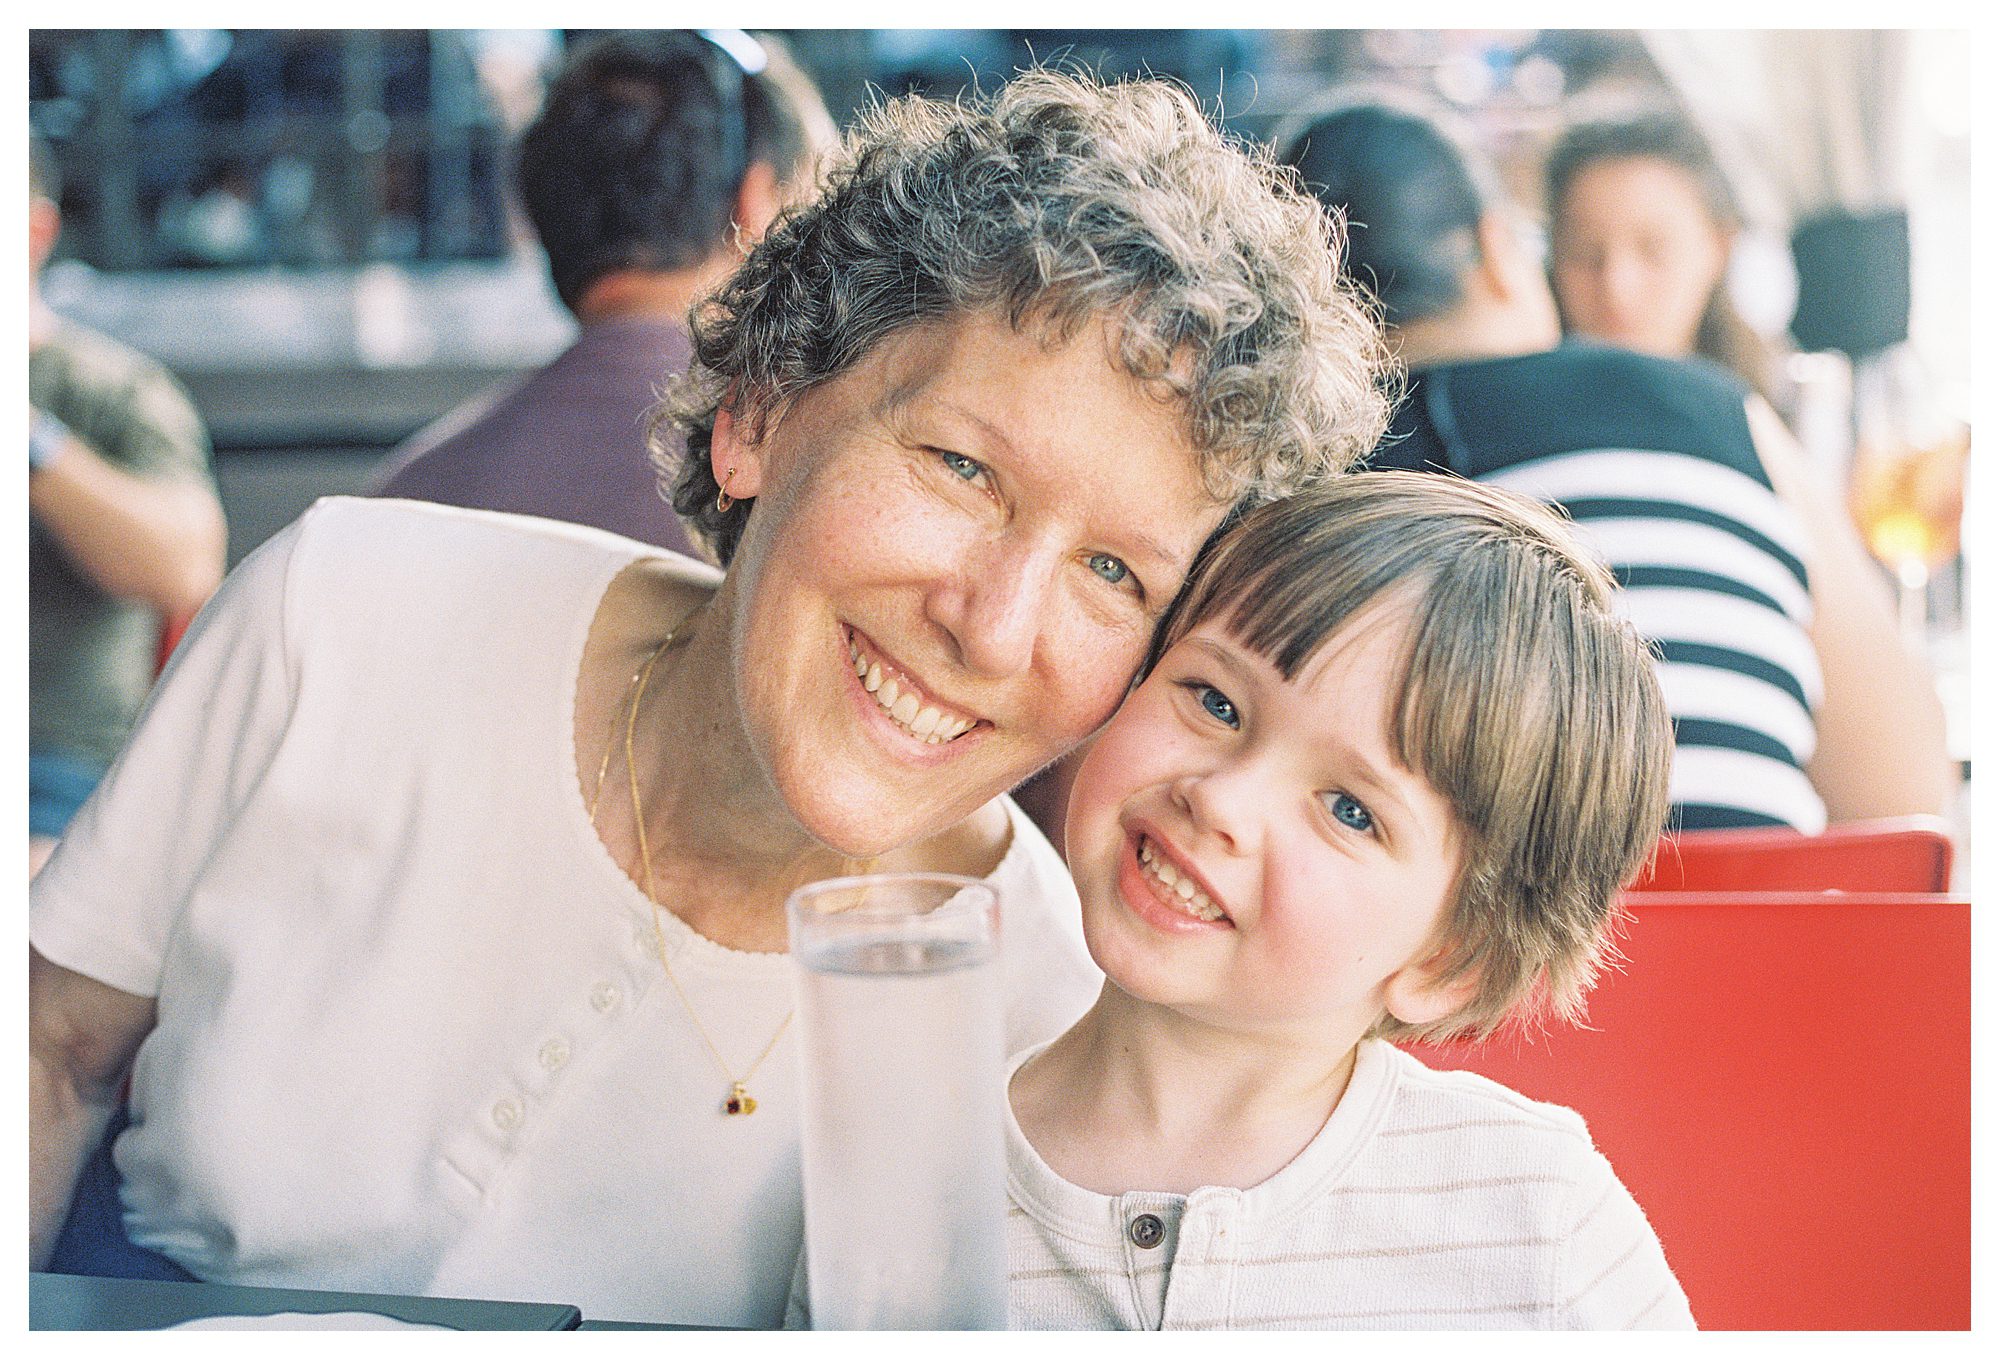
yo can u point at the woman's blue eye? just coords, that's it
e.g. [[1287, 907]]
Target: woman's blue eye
[[1110, 568], [967, 468], [1216, 704], [1349, 813]]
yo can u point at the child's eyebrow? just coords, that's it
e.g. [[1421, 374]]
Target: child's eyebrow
[[1224, 655], [1376, 786]]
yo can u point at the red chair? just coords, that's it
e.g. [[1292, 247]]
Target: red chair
[[1892, 854], [1784, 1082], [170, 638]]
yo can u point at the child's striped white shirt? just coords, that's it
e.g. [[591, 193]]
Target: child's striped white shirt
[[1429, 1199]]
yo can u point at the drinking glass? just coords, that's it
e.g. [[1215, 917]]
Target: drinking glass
[[1908, 500], [902, 1134], [1907, 494]]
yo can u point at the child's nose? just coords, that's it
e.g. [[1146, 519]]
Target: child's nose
[[1221, 804]]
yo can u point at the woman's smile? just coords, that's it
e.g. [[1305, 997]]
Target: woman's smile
[[906, 702]]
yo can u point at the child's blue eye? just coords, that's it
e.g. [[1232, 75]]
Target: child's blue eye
[[1349, 812], [967, 468], [1110, 568], [1216, 704]]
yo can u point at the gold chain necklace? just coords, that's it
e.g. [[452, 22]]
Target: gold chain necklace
[[740, 1100]]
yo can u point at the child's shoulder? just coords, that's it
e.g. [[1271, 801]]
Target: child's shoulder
[[1468, 1149], [1465, 1107]]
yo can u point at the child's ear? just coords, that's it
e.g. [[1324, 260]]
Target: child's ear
[[1419, 994]]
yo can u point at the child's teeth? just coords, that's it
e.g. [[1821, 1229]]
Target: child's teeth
[[1182, 889]]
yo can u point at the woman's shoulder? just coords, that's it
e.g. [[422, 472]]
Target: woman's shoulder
[[409, 546], [358, 575], [387, 521]]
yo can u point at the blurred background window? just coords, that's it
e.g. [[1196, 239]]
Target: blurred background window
[[315, 229], [204, 148]]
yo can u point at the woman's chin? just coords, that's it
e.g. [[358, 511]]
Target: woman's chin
[[866, 831]]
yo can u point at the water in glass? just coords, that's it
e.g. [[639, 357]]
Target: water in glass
[[900, 1018]]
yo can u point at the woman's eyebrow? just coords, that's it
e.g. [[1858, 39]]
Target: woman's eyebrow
[[1166, 557], [987, 428]]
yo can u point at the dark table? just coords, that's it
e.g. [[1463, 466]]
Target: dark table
[[90, 1303]]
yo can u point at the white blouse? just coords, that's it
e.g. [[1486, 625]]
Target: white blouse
[[413, 1032]]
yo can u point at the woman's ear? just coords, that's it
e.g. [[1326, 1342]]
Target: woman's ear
[[736, 460], [1504, 258], [758, 201]]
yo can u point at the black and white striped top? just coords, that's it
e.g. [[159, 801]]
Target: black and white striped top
[[1654, 461]]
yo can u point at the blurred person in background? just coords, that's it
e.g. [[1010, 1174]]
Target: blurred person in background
[[1794, 700], [436, 907], [657, 160], [1642, 223], [125, 534]]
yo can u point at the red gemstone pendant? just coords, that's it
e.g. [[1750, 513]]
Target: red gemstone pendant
[[740, 1101]]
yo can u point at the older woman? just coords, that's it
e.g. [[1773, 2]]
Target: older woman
[[439, 895]]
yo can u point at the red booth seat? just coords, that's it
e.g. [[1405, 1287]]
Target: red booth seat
[[1891, 854], [1784, 1082]]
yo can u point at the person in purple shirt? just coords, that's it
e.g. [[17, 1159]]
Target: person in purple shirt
[[657, 159]]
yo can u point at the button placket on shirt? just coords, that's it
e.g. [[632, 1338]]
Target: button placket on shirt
[[533, 1076], [1147, 1223], [1203, 1284]]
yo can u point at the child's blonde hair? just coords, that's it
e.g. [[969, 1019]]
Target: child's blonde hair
[[1525, 700]]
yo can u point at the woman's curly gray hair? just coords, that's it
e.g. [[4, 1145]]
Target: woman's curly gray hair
[[1052, 201]]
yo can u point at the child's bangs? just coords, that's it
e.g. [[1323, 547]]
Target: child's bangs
[[1284, 583]]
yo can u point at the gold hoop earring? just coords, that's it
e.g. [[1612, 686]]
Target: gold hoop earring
[[723, 500]]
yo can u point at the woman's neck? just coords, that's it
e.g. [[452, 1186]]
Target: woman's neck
[[1141, 1097], [720, 850], [1482, 326], [726, 850]]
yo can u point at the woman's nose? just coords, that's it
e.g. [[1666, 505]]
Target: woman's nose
[[995, 607], [1624, 279]]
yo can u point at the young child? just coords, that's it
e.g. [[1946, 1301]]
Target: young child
[[1393, 761]]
